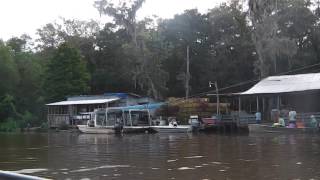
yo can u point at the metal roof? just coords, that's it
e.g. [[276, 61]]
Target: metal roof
[[286, 84], [92, 101]]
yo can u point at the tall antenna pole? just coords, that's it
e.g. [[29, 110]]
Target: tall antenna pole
[[187, 74]]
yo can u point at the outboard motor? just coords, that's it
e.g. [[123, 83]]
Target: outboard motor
[[118, 126], [90, 123], [195, 123]]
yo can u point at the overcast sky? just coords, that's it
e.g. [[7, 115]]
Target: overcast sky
[[25, 16]]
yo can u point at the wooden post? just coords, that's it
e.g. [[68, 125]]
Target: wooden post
[[124, 118], [130, 118], [239, 105], [218, 100], [257, 103], [107, 106], [48, 116], [263, 104], [149, 117]]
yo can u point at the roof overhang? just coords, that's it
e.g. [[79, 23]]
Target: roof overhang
[[286, 84], [79, 102]]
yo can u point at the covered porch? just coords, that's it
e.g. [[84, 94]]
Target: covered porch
[[69, 113], [285, 93]]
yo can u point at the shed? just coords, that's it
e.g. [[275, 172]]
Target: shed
[[299, 92]]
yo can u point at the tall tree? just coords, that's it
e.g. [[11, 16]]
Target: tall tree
[[187, 29], [232, 52], [123, 15], [9, 75], [66, 74], [265, 17], [138, 54]]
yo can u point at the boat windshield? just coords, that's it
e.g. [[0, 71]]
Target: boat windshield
[[101, 119]]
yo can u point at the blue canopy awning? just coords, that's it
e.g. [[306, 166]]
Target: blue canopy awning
[[150, 106]]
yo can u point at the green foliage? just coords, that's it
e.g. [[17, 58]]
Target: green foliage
[[20, 88], [8, 70], [9, 125], [282, 34], [66, 74], [7, 108]]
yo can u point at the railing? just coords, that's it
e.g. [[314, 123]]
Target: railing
[[305, 118], [55, 120], [242, 120], [246, 119]]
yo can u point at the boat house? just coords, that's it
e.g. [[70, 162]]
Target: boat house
[[300, 92], [78, 109]]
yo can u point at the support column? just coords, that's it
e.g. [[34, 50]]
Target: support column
[[239, 104], [257, 103], [48, 116], [130, 118], [218, 100], [107, 106]]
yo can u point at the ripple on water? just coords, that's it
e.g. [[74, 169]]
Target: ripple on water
[[32, 148], [193, 157], [172, 160], [185, 168], [100, 167], [64, 169], [216, 162]]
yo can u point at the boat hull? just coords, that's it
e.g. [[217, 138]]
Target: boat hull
[[96, 130], [112, 130], [136, 129], [171, 129], [260, 128]]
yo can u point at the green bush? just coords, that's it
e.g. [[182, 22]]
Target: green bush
[[9, 125]]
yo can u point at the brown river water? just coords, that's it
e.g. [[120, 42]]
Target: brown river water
[[162, 156]]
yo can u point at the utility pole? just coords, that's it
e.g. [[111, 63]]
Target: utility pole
[[187, 74], [218, 99], [217, 95]]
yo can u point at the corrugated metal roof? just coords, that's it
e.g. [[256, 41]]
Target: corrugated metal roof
[[93, 101], [286, 84]]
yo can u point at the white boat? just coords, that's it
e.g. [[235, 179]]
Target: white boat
[[117, 120], [96, 130], [172, 129]]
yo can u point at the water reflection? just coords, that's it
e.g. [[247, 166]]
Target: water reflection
[[160, 156]]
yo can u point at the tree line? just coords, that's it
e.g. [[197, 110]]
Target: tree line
[[234, 42]]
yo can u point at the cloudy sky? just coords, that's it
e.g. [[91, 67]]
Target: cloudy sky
[[25, 16]]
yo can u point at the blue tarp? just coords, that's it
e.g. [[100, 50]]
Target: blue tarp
[[151, 106], [120, 95]]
